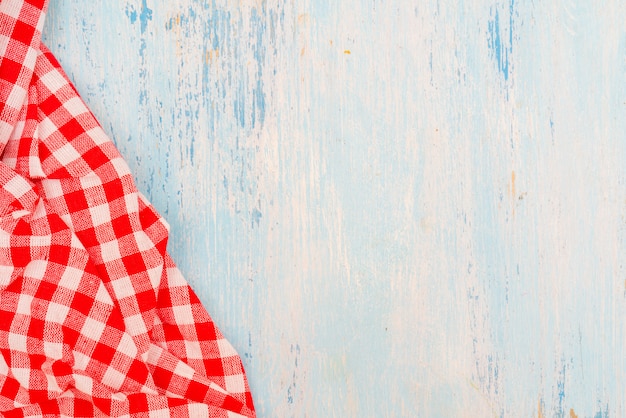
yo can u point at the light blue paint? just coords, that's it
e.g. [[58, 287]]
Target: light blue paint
[[131, 13], [495, 43], [256, 217], [145, 16], [350, 215], [502, 50]]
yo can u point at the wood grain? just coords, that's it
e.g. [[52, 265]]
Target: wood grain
[[392, 209]]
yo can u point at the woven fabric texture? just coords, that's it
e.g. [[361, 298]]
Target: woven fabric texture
[[95, 318]]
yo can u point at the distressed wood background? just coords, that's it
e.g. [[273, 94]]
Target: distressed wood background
[[392, 208]]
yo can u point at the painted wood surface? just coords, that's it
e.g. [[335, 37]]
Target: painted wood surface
[[391, 208]]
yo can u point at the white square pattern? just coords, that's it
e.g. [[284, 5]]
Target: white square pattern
[[110, 251], [92, 329]]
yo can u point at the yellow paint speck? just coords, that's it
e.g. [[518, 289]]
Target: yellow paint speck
[[539, 409], [347, 51], [512, 183], [572, 414], [212, 55]]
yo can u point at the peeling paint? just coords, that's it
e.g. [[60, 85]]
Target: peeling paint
[[390, 210], [500, 39], [145, 15]]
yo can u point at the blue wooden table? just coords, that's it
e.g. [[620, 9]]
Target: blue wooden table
[[391, 208]]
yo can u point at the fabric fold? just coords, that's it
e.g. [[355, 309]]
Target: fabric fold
[[95, 318]]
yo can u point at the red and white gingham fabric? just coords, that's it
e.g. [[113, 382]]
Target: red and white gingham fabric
[[95, 318]]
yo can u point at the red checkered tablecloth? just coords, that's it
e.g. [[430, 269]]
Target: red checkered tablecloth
[[95, 318]]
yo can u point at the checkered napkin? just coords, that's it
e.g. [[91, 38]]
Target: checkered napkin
[[95, 318]]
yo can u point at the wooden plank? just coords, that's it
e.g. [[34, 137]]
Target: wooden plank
[[392, 209]]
